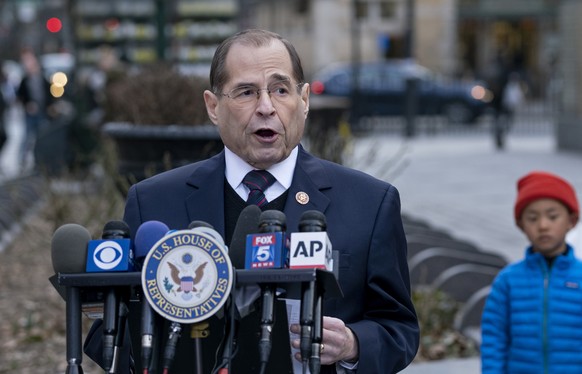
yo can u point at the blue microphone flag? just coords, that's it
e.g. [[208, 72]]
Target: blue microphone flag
[[109, 255]]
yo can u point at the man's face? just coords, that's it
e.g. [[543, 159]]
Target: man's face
[[261, 131], [545, 222]]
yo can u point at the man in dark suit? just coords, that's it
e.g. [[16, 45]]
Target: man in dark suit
[[259, 102]]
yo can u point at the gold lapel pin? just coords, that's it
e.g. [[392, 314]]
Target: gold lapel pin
[[302, 197]]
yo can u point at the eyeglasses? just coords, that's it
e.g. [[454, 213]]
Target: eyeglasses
[[279, 91]]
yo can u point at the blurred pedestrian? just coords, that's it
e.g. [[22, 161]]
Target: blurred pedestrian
[[109, 70], [532, 320], [34, 95], [497, 78], [513, 96]]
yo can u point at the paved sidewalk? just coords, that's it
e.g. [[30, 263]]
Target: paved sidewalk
[[462, 185]]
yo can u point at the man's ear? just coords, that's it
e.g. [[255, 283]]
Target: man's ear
[[305, 90], [211, 101]]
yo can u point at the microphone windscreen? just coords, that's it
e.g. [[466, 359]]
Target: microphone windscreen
[[69, 248], [115, 230], [312, 220], [247, 223], [272, 221], [148, 234], [195, 224]]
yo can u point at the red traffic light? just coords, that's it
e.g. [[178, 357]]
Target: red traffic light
[[54, 24]]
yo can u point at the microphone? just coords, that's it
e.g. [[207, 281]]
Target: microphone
[[271, 253], [113, 251], [247, 223], [170, 350], [197, 223], [310, 247], [69, 255], [206, 228], [312, 238], [186, 277], [69, 248], [111, 257], [243, 298], [147, 234], [268, 249], [200, 330]]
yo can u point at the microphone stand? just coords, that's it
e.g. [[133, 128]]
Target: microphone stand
[[73, 318], [315, 359], [120, 336], [306, 321], [198, 331]]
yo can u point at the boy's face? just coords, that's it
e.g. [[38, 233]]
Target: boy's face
[[545, 222]]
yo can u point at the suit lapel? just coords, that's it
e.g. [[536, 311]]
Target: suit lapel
[[309, 181], [206, 202]]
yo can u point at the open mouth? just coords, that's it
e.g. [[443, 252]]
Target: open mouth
[[265, 133]]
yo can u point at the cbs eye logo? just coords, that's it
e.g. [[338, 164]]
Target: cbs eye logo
[[108, 255]]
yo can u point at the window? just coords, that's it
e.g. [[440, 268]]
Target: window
[[377, 9], [388, 9]]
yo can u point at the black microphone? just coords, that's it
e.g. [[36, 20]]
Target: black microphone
[[242, 299], [69, 255], [111, 305], [311, 318], [197, 223], [270, 221], [69, 248], [147, 234], [170, 350], [247, 223]]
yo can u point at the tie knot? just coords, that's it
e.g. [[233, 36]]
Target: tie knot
[[258, 181]]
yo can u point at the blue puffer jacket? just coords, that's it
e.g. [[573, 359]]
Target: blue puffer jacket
[[532, 321]]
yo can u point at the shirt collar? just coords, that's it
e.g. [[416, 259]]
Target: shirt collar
[[237, 168]]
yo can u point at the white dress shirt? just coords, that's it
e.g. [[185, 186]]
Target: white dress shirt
[[237, 168]]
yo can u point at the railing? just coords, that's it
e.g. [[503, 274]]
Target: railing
[[533, 118]]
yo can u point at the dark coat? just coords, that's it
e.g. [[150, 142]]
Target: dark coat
[[364, 224]]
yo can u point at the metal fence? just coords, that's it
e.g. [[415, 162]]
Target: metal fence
[[535, 117]]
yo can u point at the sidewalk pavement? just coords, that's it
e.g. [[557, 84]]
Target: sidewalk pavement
[[462, 185]]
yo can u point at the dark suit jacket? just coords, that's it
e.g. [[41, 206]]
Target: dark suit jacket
[[364, 224]]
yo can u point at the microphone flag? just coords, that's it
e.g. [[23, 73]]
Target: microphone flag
[[310, 250], [266, 251], [109, 255], [187, 276]]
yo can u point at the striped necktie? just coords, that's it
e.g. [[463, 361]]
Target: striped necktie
[[258, 181]]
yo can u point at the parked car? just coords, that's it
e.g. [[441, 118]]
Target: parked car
[[383, 90]]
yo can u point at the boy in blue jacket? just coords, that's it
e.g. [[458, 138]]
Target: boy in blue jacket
[[532, 320]]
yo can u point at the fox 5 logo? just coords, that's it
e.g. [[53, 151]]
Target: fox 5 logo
[[263, 250]]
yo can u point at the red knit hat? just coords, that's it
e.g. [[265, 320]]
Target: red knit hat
[[539, 185]]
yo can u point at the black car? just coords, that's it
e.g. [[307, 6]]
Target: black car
[[383, 90]]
